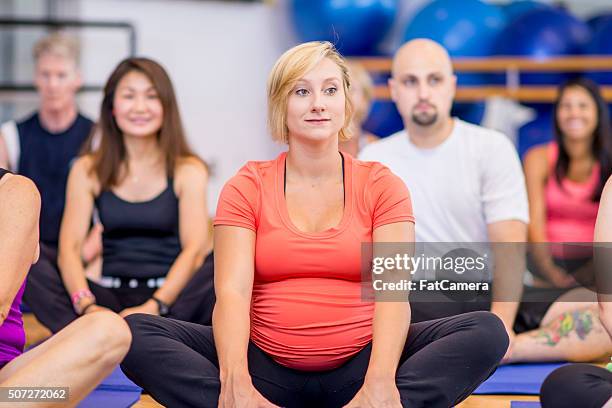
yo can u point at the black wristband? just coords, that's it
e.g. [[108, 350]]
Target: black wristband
[[86, 307], [162, 307]]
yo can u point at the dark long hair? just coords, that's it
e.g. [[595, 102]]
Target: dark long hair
[[601, 147], [111, 154]]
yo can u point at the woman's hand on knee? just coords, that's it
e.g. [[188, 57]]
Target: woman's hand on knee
[[377, 394], [560, 278], [96, 308], [148, 307]]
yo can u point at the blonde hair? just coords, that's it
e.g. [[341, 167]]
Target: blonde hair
[[288, 70], [360, 76], [57, 44]]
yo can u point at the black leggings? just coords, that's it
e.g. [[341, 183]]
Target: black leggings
[[443, 361], [577, 385], [46, 295]]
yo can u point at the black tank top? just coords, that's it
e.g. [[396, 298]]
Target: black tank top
[[3, 172], [140, 239], [46, 158]]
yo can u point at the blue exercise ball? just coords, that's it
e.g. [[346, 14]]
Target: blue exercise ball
[[538, 131], [384, 119], [472, 112], [594, 21], [601, 44], [466, 28], [542, 34], [356, 27], [516, 9]]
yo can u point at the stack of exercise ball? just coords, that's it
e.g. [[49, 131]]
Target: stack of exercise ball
[[513, 11], [542, 32], [467, 28]]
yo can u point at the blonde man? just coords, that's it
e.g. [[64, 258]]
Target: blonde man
[[43, 146]]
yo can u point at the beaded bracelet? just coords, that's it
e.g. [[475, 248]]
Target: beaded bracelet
[[80, 295]]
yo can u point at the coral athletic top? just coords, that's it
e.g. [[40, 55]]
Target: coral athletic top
[[570, 211], [12, 335], [307, 310]]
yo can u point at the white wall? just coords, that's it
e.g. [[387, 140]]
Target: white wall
[[218, 56]]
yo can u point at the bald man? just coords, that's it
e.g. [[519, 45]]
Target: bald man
[[467, 186]]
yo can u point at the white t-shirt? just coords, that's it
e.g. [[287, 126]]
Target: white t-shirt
[[474, 178]]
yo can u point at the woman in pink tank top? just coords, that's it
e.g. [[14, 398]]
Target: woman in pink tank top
[[565, 179], [75, 359]]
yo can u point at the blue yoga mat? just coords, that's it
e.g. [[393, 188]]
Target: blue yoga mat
[[517, 379], [115, 391], [525, 404], [115, 399], [117, 381]]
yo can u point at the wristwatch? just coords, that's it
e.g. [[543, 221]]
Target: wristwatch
[[162, 307]]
